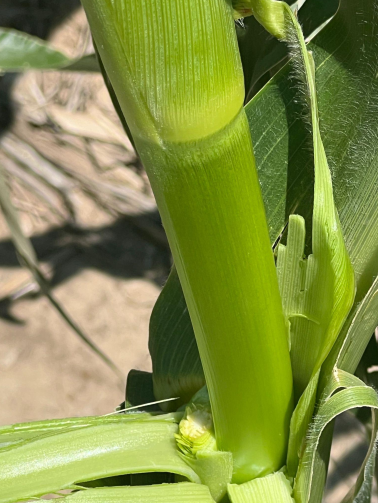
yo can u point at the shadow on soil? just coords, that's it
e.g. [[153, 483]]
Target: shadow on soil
[[125, 249]]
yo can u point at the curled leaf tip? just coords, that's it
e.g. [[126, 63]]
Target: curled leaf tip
[[242, 9]]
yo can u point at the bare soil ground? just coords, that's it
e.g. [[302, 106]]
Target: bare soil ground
[[84, 199]]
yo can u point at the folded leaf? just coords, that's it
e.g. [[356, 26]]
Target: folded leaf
[[355, 336], [24, 432], [60, 461], [354, 393], [270, 489], [163, 493]]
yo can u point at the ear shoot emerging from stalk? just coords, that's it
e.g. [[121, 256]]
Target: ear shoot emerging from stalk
[[176, 70]]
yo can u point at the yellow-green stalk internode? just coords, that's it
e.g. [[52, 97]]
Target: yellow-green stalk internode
[[176, 70]]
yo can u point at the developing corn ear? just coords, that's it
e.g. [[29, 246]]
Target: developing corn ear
[[180, 86]]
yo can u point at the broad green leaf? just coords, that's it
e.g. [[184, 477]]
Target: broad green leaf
[[20, 51], [60, 461], [177, 369], [270, 489], [139, 391], [184, 492]]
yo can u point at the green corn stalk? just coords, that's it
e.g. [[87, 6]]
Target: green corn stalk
[[180, 87], [200, 156]]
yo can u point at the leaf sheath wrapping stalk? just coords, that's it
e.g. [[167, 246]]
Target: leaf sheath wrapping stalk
[[214, 218], [180, 85], [164, 493], [270, 489]]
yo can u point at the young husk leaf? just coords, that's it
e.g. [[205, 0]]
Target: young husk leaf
[[182, 98], [197, 443]]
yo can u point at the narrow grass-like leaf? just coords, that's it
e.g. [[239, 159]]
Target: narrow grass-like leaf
[[355, 395], [346, 354], [314, 472], [184, 492], [20, 52], [361, 491], [269, 489], [299, 422], [355, 336], [28, 258], [51, 463]]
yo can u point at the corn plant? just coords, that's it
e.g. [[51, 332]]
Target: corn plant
[[272, 300]]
